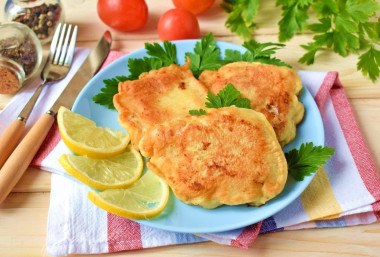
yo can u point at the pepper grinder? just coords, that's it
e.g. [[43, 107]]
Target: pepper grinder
[[42, 16]]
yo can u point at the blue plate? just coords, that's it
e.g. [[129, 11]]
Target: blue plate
[[179, 217]]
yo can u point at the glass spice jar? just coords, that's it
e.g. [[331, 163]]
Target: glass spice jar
[[42, 16], [20, 55]]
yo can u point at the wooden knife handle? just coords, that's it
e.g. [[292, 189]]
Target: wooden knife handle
[[21, 157], [10, 138]]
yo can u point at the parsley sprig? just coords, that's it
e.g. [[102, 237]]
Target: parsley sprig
[[241, 16], [206, 56], [307, 159], [108, 91], [256, 52], [158, 57], [228, 96]]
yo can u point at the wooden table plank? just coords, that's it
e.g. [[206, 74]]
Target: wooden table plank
[[23, 219]]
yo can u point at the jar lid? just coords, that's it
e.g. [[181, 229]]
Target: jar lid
[[19, 44]]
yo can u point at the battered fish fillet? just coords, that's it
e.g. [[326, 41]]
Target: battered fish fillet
[[272, 90], [157, 96], [228, 156]]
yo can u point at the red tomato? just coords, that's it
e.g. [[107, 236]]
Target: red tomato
[[196, 7], [178, 24], [123, 15]]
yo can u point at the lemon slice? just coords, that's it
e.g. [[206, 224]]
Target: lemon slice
[[119, 171], [144, 199], [83, 137]]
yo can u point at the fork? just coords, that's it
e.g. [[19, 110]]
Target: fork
[[56, 67]]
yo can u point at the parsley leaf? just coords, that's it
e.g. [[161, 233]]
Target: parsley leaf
[[294, 18], [241, 16], [138, 66], [168, 54], [206, 56], [107, 92], [236, 56], [159, 57], [369, 63], [307, 159], [199, 112], [227, 96], [257, 52]]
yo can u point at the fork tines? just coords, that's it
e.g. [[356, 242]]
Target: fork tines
[[61, 51]]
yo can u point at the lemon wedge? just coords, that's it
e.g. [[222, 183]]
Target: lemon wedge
[[144, 199], [119, 171], [83, 137]]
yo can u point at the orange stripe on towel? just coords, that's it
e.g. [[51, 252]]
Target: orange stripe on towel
[[318, 199]]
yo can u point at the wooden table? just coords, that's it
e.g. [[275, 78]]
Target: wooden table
[[23, 216]]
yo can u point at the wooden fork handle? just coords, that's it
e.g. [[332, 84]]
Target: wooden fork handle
[[22, 156], [10, 138]]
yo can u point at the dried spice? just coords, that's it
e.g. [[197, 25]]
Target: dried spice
[[23, 52], [41, 19], [9, 82]]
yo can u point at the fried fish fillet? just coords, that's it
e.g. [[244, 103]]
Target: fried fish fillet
[[272, 90], [157, 96], [228, 156]]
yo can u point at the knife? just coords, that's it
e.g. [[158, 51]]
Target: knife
[[21, 157]]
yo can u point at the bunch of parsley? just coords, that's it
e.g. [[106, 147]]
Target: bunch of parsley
[[346, 26]]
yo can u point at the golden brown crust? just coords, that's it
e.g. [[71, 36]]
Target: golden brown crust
[[229, 156], [272, 90], [157, 96]]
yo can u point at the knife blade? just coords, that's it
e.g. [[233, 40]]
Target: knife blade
[[21, 157]]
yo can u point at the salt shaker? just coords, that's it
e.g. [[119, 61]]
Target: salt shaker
[[42, 16], [20, 55]]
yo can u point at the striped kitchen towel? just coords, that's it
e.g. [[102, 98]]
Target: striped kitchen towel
[[345, 192]]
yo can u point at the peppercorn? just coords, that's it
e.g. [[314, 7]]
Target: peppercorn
[[40, 19]]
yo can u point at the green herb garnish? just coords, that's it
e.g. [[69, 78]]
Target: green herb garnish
[[228, 96], [168, 54], [206, 56], [294, 17], [199, 112], [345, 26], [257, 52], [307, 159], [108, 91], [241, 16], [158, 57]]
